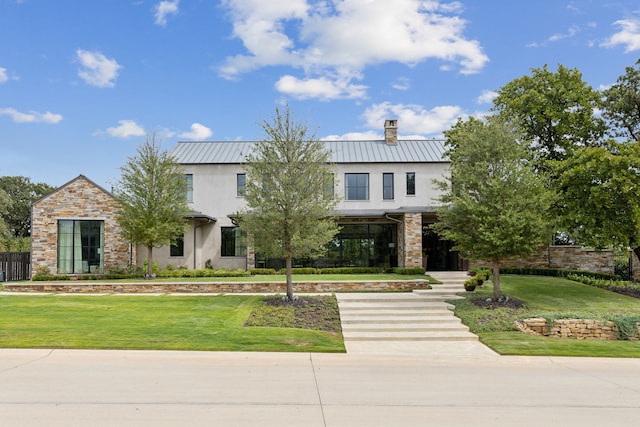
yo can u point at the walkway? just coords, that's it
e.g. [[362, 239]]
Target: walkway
[[409, 324]]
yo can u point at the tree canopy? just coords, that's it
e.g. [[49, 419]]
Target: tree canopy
[[494, 205], [22, 193], [622, 105], [289, 211], [152, 194], [555, 112]]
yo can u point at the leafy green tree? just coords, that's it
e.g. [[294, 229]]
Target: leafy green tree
[[555, 112], [152, 194], [494, 205], [600, 202], [5, 205], [22, 193], [289, 213], [622, 104]]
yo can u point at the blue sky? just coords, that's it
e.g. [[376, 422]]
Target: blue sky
[[83, 82]]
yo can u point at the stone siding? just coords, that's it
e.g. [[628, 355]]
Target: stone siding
[[581, 329], [79, 199], [562, 257], [217, 287], [413, 240]]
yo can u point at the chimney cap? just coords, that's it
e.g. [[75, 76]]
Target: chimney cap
[[391, 123]]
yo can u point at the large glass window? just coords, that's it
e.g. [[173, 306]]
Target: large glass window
[[356, 186], [188, 183], [240, 180], [411, 183], [387, 186], [234, 242], [80, 246], [177, 248]]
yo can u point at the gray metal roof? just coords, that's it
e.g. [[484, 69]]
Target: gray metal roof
[[230, 152]]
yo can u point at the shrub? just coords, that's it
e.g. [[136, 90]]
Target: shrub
[[556, 272], [301, 270], [49, 277], [350, 270], [262, 271], [408, 270]]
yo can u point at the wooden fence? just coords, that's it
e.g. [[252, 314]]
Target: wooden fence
[[15, 266]]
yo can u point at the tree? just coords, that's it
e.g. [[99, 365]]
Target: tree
[[494, 205], [152, 194], [622, 104], [22, 193], [5, 205], [600, 202], [289, 213], [555, 112]]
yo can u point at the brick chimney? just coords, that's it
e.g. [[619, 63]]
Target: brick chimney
[[391, 131]]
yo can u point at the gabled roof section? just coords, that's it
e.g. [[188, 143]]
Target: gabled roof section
[[63, 186], [234, 152]]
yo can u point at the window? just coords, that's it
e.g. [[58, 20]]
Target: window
[[411, 183], [234, 242], [357, 186], [329, 187], [188, 183], [80, 246], [387, 186], [177, 248], [240, 179]]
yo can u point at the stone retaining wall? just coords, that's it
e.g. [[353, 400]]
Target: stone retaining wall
[[216, 287], [562, 257], [582, 329]]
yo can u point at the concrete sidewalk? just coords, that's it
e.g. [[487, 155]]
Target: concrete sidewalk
[[144, 388]]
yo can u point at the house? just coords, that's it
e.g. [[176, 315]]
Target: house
[[386, 193], [74, 231]]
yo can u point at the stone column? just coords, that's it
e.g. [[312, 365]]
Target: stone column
[[412, 240]]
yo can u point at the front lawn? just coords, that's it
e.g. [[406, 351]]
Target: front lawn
[[547, 297], [149, 322]]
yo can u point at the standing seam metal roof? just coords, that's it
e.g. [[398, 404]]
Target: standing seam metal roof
[[234, 152]]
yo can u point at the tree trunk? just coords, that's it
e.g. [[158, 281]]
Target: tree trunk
[[637, 252], [149, 262], [496, 279], [288, 266]]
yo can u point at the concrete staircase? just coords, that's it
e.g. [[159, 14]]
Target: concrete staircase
[[413, 317]]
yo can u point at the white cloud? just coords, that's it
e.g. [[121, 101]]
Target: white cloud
[[401, 83], [3, 75], [355, 136], [334, 40], [31, 116], [322, 88], [413, 118], [572, 31], [486, 97], [198, 133], [97, 69], [164, 9], [629, 35], [126, 129]]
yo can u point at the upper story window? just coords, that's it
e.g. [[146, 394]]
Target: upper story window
[[240, 181], [188, 185], [356, 186], [411, 183], [387, 186]]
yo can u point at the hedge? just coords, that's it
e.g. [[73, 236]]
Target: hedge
[[556, 272]]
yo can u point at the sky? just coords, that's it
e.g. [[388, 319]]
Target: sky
[[84, 83]]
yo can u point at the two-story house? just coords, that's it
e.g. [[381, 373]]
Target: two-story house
[[387, 200]]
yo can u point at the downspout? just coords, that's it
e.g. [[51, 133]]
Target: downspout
[[404, 240]]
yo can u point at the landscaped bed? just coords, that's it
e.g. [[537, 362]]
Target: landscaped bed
[[546, 297]]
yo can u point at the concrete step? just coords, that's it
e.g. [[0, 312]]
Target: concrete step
[[382, 306], [406, 327], [373, 319], [391, 315], [409, 336]]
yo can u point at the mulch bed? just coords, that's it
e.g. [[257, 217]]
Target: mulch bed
[[491, 303]]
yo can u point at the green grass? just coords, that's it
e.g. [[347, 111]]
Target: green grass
[[548, 297], [145, 322]]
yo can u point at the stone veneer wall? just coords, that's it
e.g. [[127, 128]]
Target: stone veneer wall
[[582, 329], [79, 199], [563, 257], [412, 240]]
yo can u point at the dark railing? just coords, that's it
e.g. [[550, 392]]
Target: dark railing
[[15, 266]]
